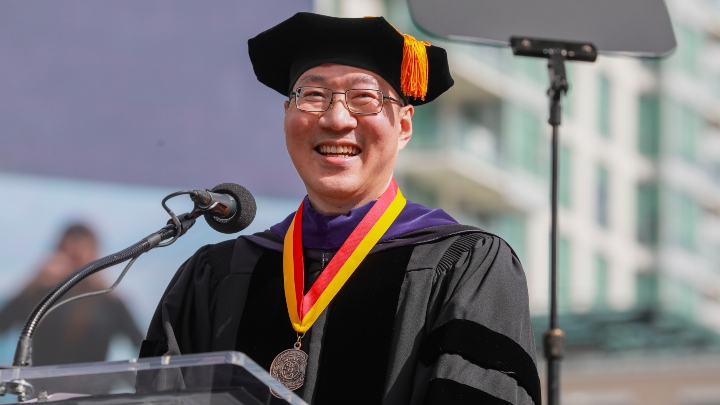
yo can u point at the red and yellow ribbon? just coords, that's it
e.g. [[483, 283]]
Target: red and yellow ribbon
[[305, 309]]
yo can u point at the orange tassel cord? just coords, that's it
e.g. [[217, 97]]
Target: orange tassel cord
[[414, 71]]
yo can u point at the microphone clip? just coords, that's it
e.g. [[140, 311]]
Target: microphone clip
[[186, 221], [208, 202]]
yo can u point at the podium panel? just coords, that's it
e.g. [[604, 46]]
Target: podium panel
[[221, 378]]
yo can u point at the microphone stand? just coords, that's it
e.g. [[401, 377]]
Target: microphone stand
[[556, 53], [177, 227]]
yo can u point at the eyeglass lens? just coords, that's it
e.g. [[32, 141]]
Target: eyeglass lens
[[318, 99]]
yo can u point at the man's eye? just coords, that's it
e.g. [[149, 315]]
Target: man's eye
[[365, 97], [316, 95]]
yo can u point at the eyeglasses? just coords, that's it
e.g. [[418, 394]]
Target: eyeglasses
[[357, 101]]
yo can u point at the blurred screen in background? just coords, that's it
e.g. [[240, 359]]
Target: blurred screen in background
[[106, 108]]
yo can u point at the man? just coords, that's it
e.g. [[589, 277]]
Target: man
[[80, 331], [366, 297]]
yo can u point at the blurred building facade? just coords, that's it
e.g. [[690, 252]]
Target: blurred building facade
[[639, 248]]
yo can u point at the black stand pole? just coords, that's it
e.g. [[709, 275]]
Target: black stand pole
[[554, 338], [556, 53]]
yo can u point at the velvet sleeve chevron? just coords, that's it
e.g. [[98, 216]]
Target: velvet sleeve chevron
[[478, 346]]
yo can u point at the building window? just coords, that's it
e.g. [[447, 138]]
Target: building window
[[684, 128], [684, 296], [524, 145], [424, 127], [647, 213], [601, 282], [480, 125], [688, 218], [564, 176], [692, 126], [604, 91], [649, 125], [602, 201], [646, 284], [689, 49], [682, 213]]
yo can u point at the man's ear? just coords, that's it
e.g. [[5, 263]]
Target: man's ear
[[406, 114], [287, 105]]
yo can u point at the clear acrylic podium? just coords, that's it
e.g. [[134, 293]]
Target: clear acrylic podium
[[221, 378]]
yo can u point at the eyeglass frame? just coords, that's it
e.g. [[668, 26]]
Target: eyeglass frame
[[332, 100]]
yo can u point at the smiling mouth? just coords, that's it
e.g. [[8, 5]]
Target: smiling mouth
[[338, 151]]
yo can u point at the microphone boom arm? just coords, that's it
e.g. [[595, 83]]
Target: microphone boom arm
[[23, 352], [236, 209]]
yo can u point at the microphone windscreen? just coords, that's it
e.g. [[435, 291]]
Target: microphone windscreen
[[245, 209]]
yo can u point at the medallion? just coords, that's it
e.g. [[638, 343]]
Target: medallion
[[289, 367]]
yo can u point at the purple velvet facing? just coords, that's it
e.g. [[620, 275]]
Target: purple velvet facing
[[328, 232]]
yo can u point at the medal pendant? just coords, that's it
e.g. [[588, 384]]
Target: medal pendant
[[289, 367]]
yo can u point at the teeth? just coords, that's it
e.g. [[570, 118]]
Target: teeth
[[339, 150]]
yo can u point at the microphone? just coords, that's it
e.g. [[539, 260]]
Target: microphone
[[227, 208]]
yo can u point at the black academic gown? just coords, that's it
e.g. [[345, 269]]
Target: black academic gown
[[437, 316]]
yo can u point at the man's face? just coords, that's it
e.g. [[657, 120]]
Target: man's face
[[81, 250], [345, 158]]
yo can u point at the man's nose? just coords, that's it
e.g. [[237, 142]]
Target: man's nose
[[338, 117]]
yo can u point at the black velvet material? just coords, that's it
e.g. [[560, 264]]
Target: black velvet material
[[446, 392], [284, 52], [485, 348], [358, 334], [463, 244]]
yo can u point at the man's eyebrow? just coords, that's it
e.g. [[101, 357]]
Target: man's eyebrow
[[362, 79], [352, 81], [312, 78]]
